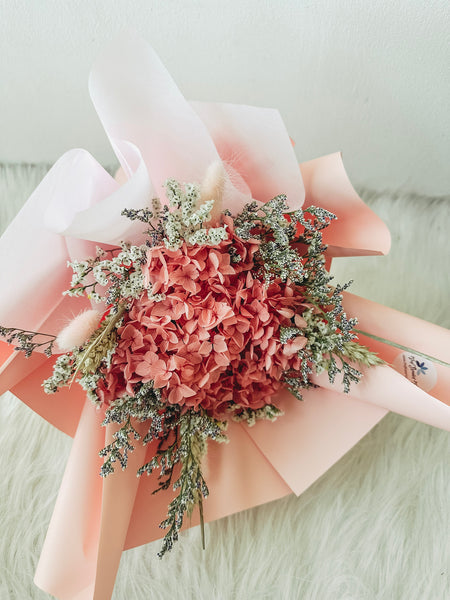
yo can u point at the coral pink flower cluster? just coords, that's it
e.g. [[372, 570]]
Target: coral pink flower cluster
[[214, 340]]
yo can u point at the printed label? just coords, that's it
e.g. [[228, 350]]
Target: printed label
[[416, 369]]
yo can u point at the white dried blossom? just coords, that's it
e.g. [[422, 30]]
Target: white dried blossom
[[203, 213], [199, 237], [157, 297], [95, 297], [185, 222], [74, 292], [116, 267], [216, 235], [89, 381], [124, 258], [137, 253], [99, 275], [133, 285], [62, 371], [189, 202]]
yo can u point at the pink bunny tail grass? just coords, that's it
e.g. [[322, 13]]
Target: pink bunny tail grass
[[79, 330], [213, 186]]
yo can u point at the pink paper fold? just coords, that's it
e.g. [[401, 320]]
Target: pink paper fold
[[357, 231], [137, 101], [260, 157]]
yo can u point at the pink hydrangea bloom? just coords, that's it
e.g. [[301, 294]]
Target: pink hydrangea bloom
[[214, 339]]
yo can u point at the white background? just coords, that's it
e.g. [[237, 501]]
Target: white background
[[370, 78]]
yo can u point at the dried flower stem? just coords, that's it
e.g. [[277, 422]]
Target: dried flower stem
[[25, 340], [401, 347], [202, 521]]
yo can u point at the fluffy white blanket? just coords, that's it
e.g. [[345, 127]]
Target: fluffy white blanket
[[376, 526]]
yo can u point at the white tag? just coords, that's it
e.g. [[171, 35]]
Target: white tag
[[416, 369]]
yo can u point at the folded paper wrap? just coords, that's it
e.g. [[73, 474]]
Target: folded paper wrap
[[156, 134]]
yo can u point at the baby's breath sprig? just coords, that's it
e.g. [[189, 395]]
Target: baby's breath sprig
[[185, 221], [181, 221], [116, 272], [63, 370], [329, 338], [153, 218], [183, 437], [277, 229]]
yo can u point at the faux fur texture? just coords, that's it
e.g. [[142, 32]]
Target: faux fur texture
[[376, 526]]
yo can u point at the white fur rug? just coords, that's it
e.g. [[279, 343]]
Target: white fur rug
[[376, 526]]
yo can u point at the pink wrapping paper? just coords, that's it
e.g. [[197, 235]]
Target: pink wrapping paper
[[156, 134]]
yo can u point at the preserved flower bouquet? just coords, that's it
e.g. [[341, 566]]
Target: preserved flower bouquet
[[201, 310]]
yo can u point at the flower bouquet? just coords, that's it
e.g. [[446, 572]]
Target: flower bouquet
[[205, 314]]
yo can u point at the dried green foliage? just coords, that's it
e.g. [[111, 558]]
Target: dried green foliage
[[195, 429], [182, 440], [292, 249], [268, 412]]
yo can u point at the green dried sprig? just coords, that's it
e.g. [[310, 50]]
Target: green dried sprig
[[101, 343], [146, 405], [183, 438], [269, 412], [361, 354], [291, 249], [195, 430], [117, 450]]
